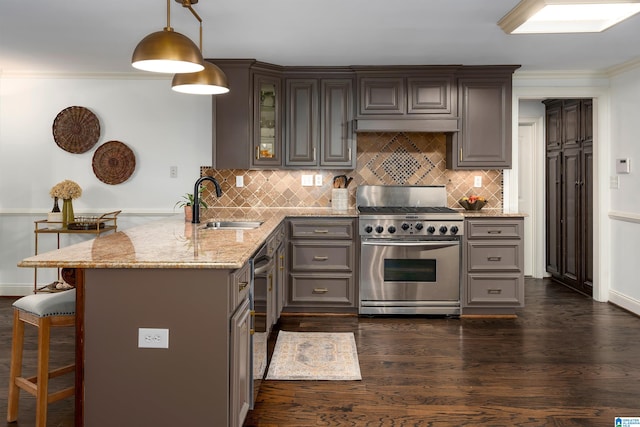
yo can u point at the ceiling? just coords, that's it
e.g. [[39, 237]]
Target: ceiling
[[83, 36]]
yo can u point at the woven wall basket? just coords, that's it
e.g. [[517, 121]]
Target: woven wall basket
[[76, 129], [113, 162]]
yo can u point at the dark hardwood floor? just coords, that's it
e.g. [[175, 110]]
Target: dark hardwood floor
[[565, 361]]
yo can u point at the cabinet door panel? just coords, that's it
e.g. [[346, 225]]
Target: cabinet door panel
[[491, 256], [321, 256], [430, 95], [381, 95], [569, 218], [315, 289], [553, 209], [240, 368], [494, 290], [336, 134], [267, 135], [302, 122]]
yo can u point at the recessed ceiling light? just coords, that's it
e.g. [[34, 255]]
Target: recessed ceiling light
[[567, 16]]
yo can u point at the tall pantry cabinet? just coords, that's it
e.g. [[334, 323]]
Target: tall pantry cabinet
[[569, 190]]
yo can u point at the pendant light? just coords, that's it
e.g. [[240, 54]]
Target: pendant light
[[210, 81], [167, 52]]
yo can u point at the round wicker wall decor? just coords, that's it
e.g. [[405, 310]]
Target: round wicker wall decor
[[76, 129], [113, 162]]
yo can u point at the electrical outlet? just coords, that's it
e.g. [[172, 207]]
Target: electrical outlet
[[477, 181], [173, 172], [240, 181], [153, 338], [318, 180], [307, 180]]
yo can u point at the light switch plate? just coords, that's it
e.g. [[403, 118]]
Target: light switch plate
[[318, 180], [477, 181], [307, 180], [240, 181], [614, 182]]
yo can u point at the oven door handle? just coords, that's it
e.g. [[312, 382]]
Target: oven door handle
[[430, 244]]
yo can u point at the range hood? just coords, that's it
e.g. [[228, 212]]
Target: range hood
[[406, 125]]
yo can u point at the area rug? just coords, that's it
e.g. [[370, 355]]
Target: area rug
[[314, 356]]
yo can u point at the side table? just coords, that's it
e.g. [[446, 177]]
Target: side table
[[96, 225]]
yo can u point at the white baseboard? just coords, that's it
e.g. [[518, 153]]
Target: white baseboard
[[631, 304], [16, 290]]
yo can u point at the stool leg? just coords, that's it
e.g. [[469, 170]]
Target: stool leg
[[44, 333], [15, 367]]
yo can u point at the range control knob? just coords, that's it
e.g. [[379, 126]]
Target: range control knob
[[405, 226], [379, 229], [391, 229], [454, 229], [368, 229], [443, 229], [419, 226], [431, 229]]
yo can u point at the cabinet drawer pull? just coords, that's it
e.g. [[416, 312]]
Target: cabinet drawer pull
[[242, 285], [460, 157], [494, 291], [319, 231], [494, 258], [320, 290], [281, 262], [270, 282], [320, 258], [257, 152], [494, 231]]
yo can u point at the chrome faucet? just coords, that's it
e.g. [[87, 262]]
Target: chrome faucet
[[196, 196]]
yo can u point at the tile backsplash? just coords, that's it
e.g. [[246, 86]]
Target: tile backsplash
[[382, 159]]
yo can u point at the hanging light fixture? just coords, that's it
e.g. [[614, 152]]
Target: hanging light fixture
[[210, 81], [167, 52]]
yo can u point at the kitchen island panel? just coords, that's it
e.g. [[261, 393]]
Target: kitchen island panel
[[186, 384]]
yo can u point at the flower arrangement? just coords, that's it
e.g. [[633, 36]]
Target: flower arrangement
[[66, 189]]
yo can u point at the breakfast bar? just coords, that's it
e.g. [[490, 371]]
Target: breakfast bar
[[167, 274]]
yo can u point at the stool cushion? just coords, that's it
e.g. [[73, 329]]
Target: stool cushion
[[53, 304]]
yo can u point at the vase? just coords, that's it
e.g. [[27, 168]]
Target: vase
[[55, 208], [188, 213], [67, 212]]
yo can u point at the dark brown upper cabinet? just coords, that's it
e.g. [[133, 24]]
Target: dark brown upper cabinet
[[484, 107], [247, 121], [319, 122]]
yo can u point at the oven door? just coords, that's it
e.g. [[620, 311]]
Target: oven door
[[410, 276]]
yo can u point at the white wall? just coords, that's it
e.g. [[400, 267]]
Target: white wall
[[625, 201], [162, 127]]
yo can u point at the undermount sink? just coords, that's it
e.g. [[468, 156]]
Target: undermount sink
[[232, 225]]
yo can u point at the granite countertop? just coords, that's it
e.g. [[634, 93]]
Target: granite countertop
[[174, 243]]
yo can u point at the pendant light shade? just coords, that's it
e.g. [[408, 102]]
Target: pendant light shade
[[210, 81], [167, 52]]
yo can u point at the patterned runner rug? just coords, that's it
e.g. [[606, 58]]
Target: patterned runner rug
[[314, 356]]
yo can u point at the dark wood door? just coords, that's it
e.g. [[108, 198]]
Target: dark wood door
[[569, 217], [553, 204], [586, 284], [569, 198]]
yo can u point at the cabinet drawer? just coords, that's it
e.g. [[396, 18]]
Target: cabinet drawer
[[319, 256], [316, 289], [489, 229], [240, 281], [494, 289], [322, 229], [490, 256]]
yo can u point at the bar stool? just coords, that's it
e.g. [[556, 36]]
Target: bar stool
[[43, 311]]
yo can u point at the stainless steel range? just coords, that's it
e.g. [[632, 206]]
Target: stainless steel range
[[410, 250]]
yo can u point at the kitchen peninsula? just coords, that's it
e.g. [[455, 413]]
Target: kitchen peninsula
[[174, 275]]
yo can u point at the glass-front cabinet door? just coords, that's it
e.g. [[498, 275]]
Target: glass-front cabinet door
[[267, 138]]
